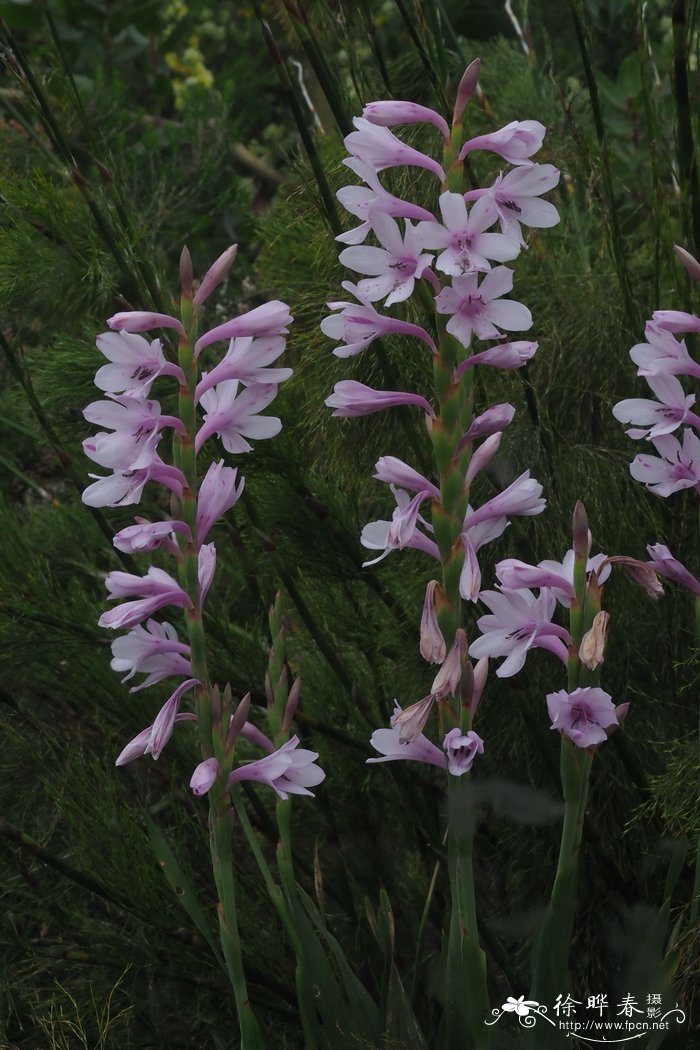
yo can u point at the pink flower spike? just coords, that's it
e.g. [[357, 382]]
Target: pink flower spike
[[462, 749], [658, 417], [394, 471], [519, 622], [583, 715], [676, 321], [479, 309], [215, 275], [496, 418], [219, 490], [153, 650], [141, 321], [136, 748], [388, 114], [432, 642], [359, 324], [505, 355], [289, 771], [234, 416], [678, 467], [269, 319], [350, 398], [663, 562], [516, 142], [204, 776], [380, 148]]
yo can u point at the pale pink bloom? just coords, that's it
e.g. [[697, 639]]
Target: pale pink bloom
[[247, 359], [219, 490], [156, 589], [662, 354], [394, 268], [204, 776], [136, 747], [359, 324], [478, 308], [152, 740], [462, 749], [362, 201], [494, 419], [658, 417], [557, 576], [350, 398], [135, 423], [676, 321], [380, 148], [269, 319], [143, 321], [388, 114], [663, 562], [505, 355], [153, 650], [387, 742], [215, 275], [432, 642], [518, 622], [394, 471], [401, 531], [124, 488], [148, 536], [583, 715], [234, 417], [522, 497], [483, 455], [462, 235], [135, 364], [289, 771], [678, 468], [516, 195], [516, 142]]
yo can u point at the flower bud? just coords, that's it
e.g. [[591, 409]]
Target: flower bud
[[582, 537], [290, 708], [592, 649], [690, 265], [215, 274], [473, 682], [467, 86], [204, 776], [432, 643], [186, 274]]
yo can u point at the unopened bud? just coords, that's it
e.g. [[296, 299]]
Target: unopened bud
[[473, 682], [432, 642], [467, 87], [449, 676], [239, 720], [204, 776], [592, 649], [582, 537], [621, 713], [215, 274], [186, 273], [290, 708], [690, 265]]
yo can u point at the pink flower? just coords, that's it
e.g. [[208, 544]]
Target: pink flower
[[136, 424], [204, 776], [394, 268], [523, 497], [350, 398], [479, 309], [363, 200], [152, 740], [677, 468], [516, 142], [516, 197], [663, 562], [247, 360], [394, 471], [387, 114], [219, 490], [359, 324], [153, 650], [411, 721], [493, 420], [432, 642], [124, 488], [401, 531], [156, 589], [269, 319], [234, 416], [148, 536], [215, 274], [462, 749], [676, 321], [662, 354], [467, 246], [142, 321], [380, 148], [557, 576], [289, 771], [519, 622], [583, 715], [387, 743], [505, 355], [658, 417], [135, 364]]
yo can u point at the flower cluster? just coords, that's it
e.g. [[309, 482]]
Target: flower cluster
[[223, 399], [676, 465], [452, 257]]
